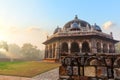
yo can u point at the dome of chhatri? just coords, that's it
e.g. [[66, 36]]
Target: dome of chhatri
[[75, 26], [56, 30], [76, 22], [97, 28]]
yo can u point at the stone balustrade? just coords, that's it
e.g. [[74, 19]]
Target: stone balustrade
[[80, 33]]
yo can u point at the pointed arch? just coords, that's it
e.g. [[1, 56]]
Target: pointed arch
[[93, 61], [85, 47], [64, 47], [75, 47]]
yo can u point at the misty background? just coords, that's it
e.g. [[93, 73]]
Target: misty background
[[13, 52]]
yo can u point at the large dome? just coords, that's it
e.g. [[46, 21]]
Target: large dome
[[76, 21], [78, 25]]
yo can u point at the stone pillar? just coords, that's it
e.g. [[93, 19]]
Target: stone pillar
[[46, 52], [108, 48], [54, 48], [80, 47], [55, 51], [69, 47], [52, 51], [93, 46], [50, 48], [101, 47], [90, 46]]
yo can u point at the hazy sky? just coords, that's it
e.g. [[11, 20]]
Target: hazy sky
[[24, 21]]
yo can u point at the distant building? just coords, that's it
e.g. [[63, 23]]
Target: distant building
[[78, 37]]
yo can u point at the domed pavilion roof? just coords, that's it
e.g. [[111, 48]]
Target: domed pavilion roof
[[76, 22]]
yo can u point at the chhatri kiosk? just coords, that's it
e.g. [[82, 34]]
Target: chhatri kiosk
[[78, 36]]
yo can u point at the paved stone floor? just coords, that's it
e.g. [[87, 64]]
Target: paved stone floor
[[50, 75], [2, 77]]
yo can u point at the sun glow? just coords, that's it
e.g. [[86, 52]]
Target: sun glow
[[3, 35]]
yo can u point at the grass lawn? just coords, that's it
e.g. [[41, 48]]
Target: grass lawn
[[25, 69]]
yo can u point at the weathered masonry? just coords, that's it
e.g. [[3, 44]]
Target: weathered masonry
[[90, 67]]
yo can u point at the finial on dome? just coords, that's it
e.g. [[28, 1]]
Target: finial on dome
[[76, 17], [57, 26], [95, 24]]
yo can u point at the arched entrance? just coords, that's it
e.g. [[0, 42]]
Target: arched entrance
[[85, 47], [75, 47], [64, 47], [98, 47]]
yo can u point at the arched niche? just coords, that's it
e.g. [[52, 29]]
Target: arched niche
[[74, 47], [85, 47], [64, 47]]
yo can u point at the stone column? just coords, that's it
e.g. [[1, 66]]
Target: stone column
[[48, 52], [90, 46], [101, 47], [108, 48], [52, 51], [80, 47], [93, 46], [45, 56], [69, 47], [58, 50], [55, 51], [45, 53]]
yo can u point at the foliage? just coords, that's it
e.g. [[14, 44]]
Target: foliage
[[26, 52], [117, 46], [26, 69], [15, 49], [30, 52], [4, 45]]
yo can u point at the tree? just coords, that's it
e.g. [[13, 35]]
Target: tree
[[15, 49], [117, 47], [4, 45], [3, 49], [30, 52]]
